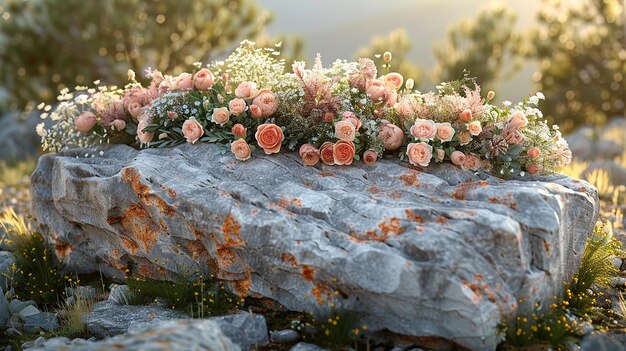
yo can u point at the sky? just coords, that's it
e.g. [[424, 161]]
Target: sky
[[337, 29]]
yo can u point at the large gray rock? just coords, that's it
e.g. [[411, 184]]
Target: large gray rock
[[440, 253], [4, 309], [190, 334], [44, 321], [248, 330], [109, 318]]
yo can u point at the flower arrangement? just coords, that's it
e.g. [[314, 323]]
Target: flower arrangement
[[336, 115]]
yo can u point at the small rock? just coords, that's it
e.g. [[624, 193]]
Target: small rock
[[4, 309], [305, 346], [28, 311], [39, 341], [15, 306], [617, 262], [244, 329], [287, 336], [13, 332], [56, 342], [70, 300], [618, 281], [600, 342], [119, 294], [44, 321], [86, 292], [28, 344], [571, 346]]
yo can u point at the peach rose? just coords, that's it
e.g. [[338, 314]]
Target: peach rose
[[237, 106], [220, 116], [246, 90], [375, 89], [393, 80], [225, 77], [464, 137], [329, 117], [343, 152], [269, 136], [345, 130], [458, 158], [256, 111], [391, 97], [514, 137], [240, 149], [267, 102], [474, 128], [518, 120], [310, 155], [466, 115], [533, 152], [369, 157], [134, 108], [471, 163], [172, 115], [441, 154], [391, 136], [239, 130], [183, 82], [203, 79], [352, 118], [419, 154], [118, 124], [533, 168], [144, 137], [424, 129], [192, 130], [85, 121], [445, 132], [327, 153]]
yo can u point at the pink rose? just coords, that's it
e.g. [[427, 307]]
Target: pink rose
[[237, 106], [203, 79], [240, 149], [471, 163], [327, 152], [424, 129], [375, 89], [466, 115], [393, 80], [310, 155], [458, 158], [441, 154], [192, 130], [329, 117], [514, 137], [269, 137], [533, 168], [391, 97], [445, 132], [343, 152], [464, 137], [534, 152], [369, 157], [172, 115], [118, 124], [419, 154], [167, 83], [239, 130], [220, 116], [474, 128], [85, 121], [267, 102], [256, 111], [518, 120], [345, 130], [183, 82], [144, 137], [391, 136], [134, 108], [352, 118], [224, 77], [246, 90]]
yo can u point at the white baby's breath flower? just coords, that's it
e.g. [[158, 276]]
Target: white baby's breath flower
[[540, 95], [507, 103], [41, 130], [197, 64], [41, 106]]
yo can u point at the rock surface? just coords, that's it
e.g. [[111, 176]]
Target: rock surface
[[4, 308], [247, 330], [44, 321], [171, 335], [437, 253]]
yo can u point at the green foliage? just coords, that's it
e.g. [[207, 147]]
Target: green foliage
[[50, 44], [398, 43], [562, 321], [486, 46], [580, 47], [198, 296], [38, 275]]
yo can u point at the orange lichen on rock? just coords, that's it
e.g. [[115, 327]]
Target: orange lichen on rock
[[169, 191], [308, 273], [284, 202], [129, 244], [410, 179], [326, 174], [196, 249], [461, 190], [481, 289], [231, 231], [136, 222], [546, 245], [388, 227], [62, 248], [412, 217], [132, 177], [289, 259], [322, 293]]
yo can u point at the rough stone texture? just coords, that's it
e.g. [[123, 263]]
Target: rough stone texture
[[4, 309], [444, 253], [190, 334], [286, 336], [109, 318], [248, 330], [15, 306], [305, 346], [602, 342], [44, 321]]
